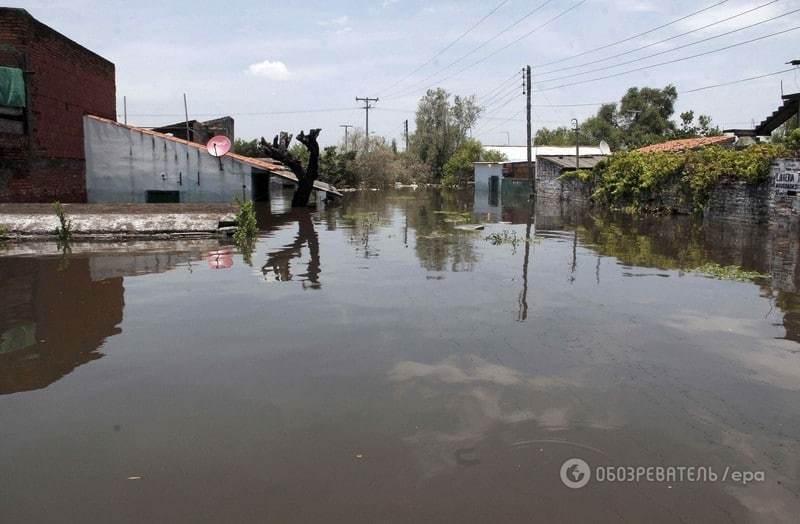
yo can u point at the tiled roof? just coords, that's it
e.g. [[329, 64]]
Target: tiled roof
[[267, 164], [688, 143]]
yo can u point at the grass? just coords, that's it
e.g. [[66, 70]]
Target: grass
[[64, 230], [247, 230]]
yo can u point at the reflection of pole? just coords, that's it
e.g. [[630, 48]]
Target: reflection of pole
[[574, 256], [597, 270], [523, 296]]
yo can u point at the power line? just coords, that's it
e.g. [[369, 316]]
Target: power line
[[480, 46], [261, 113], [487, 57], [628, 39], [448, 46], [622, 73], [732, 82], [704, 40], [567, 68]]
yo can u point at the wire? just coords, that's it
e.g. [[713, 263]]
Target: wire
[[737, 81], [479, 47], [448, 46], [526, 35], [622, 73], [628, 39], [262, 113], [704, 40], [567, 68]]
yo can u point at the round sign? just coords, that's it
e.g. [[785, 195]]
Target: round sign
[[218, 145]]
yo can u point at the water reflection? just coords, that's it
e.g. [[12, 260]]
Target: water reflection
[[278, 264]]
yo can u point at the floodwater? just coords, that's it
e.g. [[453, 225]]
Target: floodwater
[[372, 363]]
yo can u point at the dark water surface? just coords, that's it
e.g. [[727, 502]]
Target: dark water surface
[[376, 364]]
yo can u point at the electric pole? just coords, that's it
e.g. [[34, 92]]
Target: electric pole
[[577, 144], [531, 175], [367, 107], [346, 143], [405, 126]]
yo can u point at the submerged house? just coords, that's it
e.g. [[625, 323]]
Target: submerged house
[[131, 164]]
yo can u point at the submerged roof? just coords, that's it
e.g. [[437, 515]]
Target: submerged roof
[[520, 153], [686, 144], [267, 164], [568, 162]]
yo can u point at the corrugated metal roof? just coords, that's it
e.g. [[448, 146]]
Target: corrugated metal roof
[[267, 164], [688, 143], [568, 162], [520, 153]]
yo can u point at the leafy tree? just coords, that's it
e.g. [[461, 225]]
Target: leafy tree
[[441, 127], [688, 128], [459, 168], [247, 147]]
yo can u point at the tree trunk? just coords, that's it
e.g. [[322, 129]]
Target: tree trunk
[[279, 150]]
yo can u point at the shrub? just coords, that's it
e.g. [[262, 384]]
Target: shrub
[[64, 230]]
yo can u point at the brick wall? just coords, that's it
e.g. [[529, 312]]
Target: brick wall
[[65, 81], [549, 183]]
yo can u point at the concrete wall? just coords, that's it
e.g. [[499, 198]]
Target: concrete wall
[[483, 203], [46, 162], [123, 164]]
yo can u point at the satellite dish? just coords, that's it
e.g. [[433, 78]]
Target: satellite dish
[[218, 145], [604, 149]]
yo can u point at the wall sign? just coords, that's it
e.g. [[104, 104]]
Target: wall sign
[[786, 176]]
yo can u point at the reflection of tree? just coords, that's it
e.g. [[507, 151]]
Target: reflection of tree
[[279, 262], [439, 245]]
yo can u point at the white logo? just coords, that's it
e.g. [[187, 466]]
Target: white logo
[[575, 473]]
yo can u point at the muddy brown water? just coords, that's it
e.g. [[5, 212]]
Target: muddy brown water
[[373, 363]]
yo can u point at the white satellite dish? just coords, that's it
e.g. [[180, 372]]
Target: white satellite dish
[[604, 148]]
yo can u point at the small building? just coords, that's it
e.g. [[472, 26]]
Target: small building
[[200, 132], [131, 164], [550, 180], [47, 83], [688, 144]]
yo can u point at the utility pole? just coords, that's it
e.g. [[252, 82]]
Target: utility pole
[[125, 109], [367, 107], [531, 176], [577, 144], [186, 113], [405, 126], [346, 143]]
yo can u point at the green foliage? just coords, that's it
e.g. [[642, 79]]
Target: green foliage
[[582, 175], [247, 148], [729, 272], [792, 140], [459, 168], [64, 230], [491, 155], [642, 117], [247, 230], [632, 178], [338, 168], [3, 231], [441, 127]]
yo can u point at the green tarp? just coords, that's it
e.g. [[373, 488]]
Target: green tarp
[[12, 87]]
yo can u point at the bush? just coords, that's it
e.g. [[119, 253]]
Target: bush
[[632, 178]]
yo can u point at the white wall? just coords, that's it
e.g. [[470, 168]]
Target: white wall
[[123, 164]]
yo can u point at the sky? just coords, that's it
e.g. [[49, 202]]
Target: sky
[[293, 65]]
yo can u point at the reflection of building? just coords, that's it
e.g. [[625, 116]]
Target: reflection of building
[[53, 318], [47, 83]]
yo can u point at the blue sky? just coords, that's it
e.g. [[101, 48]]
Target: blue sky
[[244, 58]]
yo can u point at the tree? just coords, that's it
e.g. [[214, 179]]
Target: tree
[[642, 117], [459, 168], [247, 147], [279, 150], [441, 127]]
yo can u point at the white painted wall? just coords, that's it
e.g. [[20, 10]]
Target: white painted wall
[[122, 164]]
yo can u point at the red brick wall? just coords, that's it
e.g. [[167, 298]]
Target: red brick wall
[[67, 82]]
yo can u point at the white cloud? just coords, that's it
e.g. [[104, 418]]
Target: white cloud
[[273, 70], [339, 21]]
